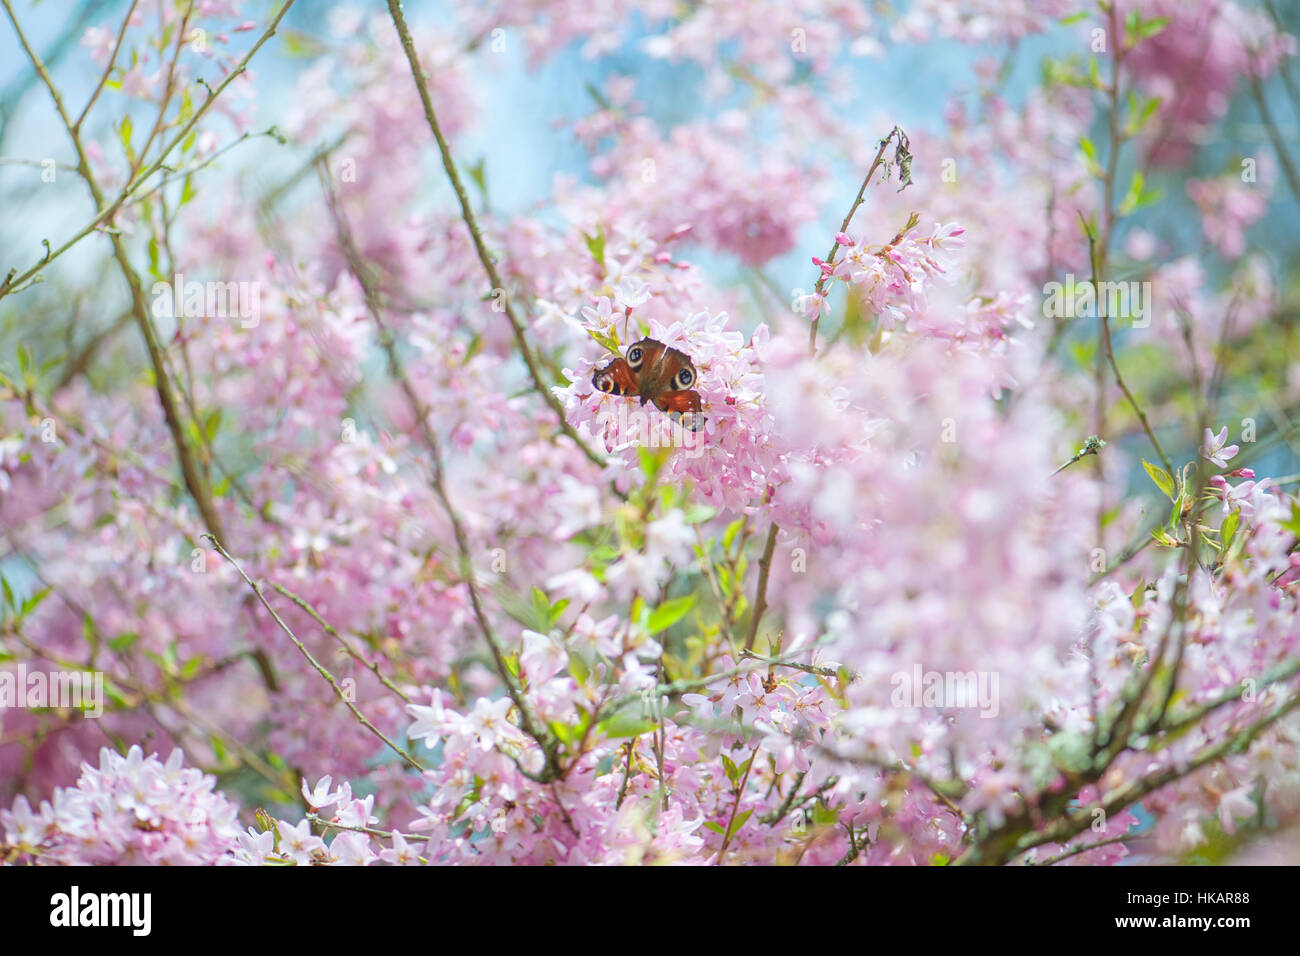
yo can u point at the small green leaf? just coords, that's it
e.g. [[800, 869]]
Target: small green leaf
[[541, 606], [729, 535], [729, 767], [478, 172], [1292, 524], [212, 424], [33, 602], [1150, 28], [669, 613], [1228, 529], [557, 611], [564, 733], [596, 246], [627, 722], [739, 822], [123, 642], [652, 459], [609, 341], [1164, 481]]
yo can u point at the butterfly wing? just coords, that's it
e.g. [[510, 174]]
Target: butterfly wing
[[682, 405], [616, 378]]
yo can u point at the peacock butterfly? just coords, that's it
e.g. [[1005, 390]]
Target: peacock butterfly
[[656, 373]]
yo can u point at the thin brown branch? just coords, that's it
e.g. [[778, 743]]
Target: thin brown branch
[[529, 721], [848, 218], [760, 594], [14, 281], [352, 652], [316, 665], [480, 247], [108, 70]]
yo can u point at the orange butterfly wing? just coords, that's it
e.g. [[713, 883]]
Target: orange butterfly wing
[[616, 378], [682, 406]]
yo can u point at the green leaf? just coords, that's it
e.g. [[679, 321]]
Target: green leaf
[[478, 172], [1150, 28], [564, 733], [1228, 529], [627, 722], [186, 110], [34, 601], [1292, 524], [739, 822], [596, 246], [541, 606], [557, 611], [669, 613], [212, 424], [1176, 512], [1138, 195], [1164, 481], [729, 535], [608, 341], [698, 514], [729, 766], [652, 459], [715, 827], [122, 641], [300, 44], [116, 696], [1148, 109]]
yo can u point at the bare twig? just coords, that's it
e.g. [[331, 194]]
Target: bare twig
[[13, 282], [529, 722], [316, 665], [898, 133], [480, 247], [760, 594]]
